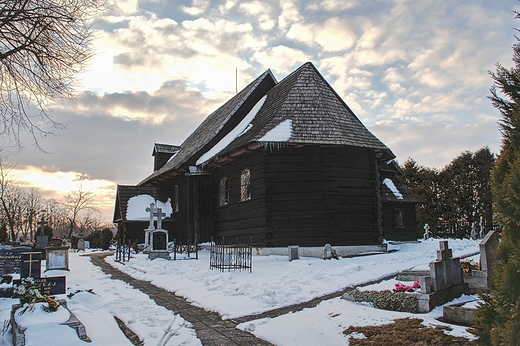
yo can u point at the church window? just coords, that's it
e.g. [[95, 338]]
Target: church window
[[175, 198], [223, 193], [245, 185], [399, 218]]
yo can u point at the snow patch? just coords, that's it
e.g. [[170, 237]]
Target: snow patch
[[244, 126], [281, 133], [390, 184], [136, 209]]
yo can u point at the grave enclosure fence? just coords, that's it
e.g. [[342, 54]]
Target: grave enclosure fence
[[231, 257], [123, 250], [177, 247]]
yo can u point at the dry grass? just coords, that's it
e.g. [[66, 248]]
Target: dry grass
[[405, 332]]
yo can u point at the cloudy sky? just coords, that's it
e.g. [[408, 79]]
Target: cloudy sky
[[414, 72]]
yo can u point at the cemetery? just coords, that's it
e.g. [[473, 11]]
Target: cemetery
[[418, 290], [443, 280]]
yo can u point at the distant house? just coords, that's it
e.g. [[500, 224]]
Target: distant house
[[281, 163]]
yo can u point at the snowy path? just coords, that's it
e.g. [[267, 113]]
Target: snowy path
[[210, 328]]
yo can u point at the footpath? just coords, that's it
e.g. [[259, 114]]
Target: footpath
[[211, 329]]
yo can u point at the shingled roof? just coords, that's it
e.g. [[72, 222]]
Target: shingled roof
[[303, 101], [316, 113], [217, 124]]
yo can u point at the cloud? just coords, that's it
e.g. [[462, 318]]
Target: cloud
[[414, 72]]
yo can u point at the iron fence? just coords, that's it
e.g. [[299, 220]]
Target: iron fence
[[231, 257], [177, 247], [123, 250]]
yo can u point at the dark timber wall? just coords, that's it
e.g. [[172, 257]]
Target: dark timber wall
[[393, 231], [317, 195], [306, 196], [193, 220], [242, 221]]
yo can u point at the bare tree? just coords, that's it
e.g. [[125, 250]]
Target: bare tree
[[77, 202], [43, 45], [31, 207], [8, 203]]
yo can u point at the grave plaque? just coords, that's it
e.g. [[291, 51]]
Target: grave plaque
[[57, 258], [51, 285], [293, 253], [31, 264], [159, 241], [10, 259]]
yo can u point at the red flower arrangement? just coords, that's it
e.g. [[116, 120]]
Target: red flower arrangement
[[399, 287]]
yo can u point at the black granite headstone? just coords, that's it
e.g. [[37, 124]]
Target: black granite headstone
[[51, 285], [10, 259], [159, 241], [31, 264]]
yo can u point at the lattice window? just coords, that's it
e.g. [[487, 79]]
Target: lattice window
[[399, 218], [176, 198], [245, 185], [223, 192]]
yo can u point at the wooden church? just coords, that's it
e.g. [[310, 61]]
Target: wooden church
[[281, 163]]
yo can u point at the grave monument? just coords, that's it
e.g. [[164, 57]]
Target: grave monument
[[156, 240], [445, 282]]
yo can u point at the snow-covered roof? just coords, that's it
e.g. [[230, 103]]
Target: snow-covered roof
[[301, 109], [390, 184], [137, 205]]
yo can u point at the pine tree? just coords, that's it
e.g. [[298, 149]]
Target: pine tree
[[498, 320]]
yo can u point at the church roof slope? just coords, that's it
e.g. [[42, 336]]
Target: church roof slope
[[215, 124], [304, 109]]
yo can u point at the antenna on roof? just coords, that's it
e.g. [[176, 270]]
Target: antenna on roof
[[236, 80]]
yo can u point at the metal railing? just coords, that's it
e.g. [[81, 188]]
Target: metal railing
[[231, 257]]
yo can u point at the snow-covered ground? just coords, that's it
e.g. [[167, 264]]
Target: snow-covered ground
[[275, 282]]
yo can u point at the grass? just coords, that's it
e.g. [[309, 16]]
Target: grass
[[405, 332]]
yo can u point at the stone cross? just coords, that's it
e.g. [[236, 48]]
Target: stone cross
[[152, 210], [427, 233], [159, 215], [445, 252], [42, 224]]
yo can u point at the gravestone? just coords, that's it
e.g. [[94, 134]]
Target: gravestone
[[57, 258], [87, 244], [10, 258], [159, 244], [293, 253], [427, 234], [42, 240], [327, 251], [479, 280], [73, 322], [31, 264], [445, 282], [51, 285], [155, 213], [159, 241], [81, 244]]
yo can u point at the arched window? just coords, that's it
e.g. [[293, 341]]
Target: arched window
[[223, 192], [175, 198], [245, 185]]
